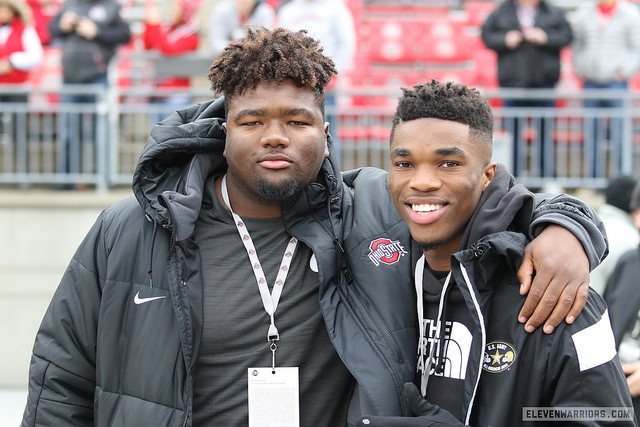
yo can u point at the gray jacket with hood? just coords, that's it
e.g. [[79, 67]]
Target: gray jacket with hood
[[99, 359]]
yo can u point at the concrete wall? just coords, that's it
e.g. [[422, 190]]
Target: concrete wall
[[40, 231]]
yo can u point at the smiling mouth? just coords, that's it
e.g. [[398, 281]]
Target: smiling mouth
[[425, 208]]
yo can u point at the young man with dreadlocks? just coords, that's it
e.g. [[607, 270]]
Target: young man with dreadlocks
[[469, 225], [248, 274]]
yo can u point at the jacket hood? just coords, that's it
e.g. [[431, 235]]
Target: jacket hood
[[181, 152], [504, 205]]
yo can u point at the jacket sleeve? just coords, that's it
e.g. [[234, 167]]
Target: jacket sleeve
[[560, 35], [576, 216], [62, 373], [631, 63], [492, 35], [54, 24], [155, 37], [584, 371]]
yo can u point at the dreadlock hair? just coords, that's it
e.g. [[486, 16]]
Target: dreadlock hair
[[271, 56], [447, 101]]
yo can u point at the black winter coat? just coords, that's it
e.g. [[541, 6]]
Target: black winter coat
[[510, 369], [528, 65]]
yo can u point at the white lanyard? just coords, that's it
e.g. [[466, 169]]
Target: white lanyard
[[269, 300]]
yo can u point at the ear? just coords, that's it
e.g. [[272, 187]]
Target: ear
[[224, 128], [326, 143], [488, 174]]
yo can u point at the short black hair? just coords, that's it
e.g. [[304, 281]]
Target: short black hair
[[271, 56], [447, 101]]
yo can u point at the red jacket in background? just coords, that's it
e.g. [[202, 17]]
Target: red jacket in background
[[13, 44], [174, 40]]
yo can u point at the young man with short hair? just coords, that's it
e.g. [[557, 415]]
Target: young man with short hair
[[469, 225]]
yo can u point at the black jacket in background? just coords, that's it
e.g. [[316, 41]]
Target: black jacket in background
[[86, 60], [622, 294], [527, 66]]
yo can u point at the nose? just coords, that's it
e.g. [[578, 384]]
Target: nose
[[275, 134], [424, 179]]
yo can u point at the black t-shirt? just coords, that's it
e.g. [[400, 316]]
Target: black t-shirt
[[236, 324], [452, 343]]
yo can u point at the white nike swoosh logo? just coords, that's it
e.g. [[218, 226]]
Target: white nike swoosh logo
[[138, 300]]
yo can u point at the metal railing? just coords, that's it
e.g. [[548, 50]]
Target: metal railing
[[47, 141]]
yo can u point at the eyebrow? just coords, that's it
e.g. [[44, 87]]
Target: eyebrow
[[447, 151], [249, 112], [401, 152], [288, 112], [450, 151]]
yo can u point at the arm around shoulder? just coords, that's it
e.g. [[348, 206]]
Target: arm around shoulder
[[576, 216]]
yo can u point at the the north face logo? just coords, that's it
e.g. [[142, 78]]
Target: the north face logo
[[385, 250]]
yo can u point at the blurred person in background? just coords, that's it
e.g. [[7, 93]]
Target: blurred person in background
[[527, 36], [229, 19], [621, 232], [20, 47], [606, 54], [43, 12], [622, 295], [178, 36], [89, 32], [331, 22], [20, 52]]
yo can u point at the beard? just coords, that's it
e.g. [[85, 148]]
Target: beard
[[277, 193], [429, 246]]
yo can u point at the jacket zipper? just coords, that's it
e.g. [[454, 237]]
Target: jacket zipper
[[483, 331], [386, 333], [172, 239], [388, 337]]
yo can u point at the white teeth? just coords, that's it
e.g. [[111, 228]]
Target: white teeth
[[425, 207]]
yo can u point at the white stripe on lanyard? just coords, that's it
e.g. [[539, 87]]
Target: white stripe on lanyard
[[270, 301]]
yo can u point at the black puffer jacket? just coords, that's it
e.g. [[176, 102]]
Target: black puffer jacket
[[99, 359], [511, 373], [528, 65]]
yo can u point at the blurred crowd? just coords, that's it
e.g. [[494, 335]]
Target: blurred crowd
[[531, 44], [170, 27]]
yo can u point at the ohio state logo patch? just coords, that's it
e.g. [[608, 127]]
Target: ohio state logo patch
[[498, 357], [386, 251]]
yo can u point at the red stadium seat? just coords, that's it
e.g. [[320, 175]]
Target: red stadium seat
[[392, 40], [477, 11]]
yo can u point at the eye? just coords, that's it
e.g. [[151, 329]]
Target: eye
[[298, 123], [450, 164], [402, 164], [254, 123]]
